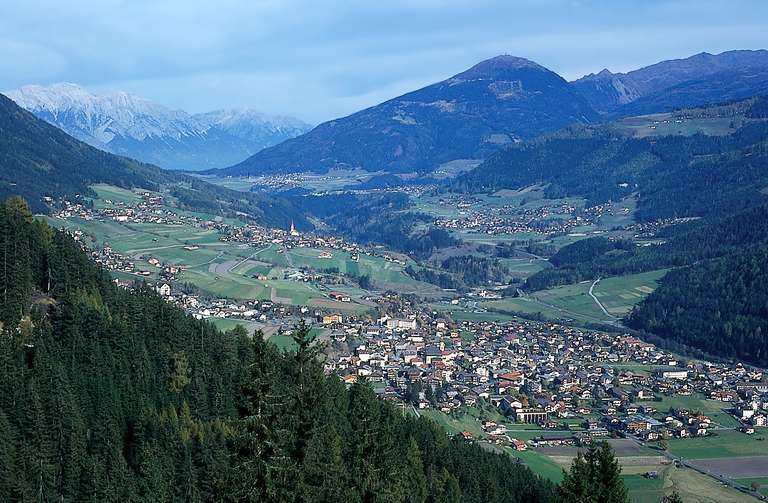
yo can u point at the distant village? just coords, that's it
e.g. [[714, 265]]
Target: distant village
[[511, 219]]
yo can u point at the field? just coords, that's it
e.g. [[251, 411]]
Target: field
[[736, 467], [231, 270], [725, 444], [572, 302]]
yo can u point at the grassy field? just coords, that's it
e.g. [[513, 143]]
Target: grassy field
[[724, 444], [572, 302], [620, 294], [231, 269], [761, 482]]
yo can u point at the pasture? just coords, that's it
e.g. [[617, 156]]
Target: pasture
[[723, 444], [572, 302]]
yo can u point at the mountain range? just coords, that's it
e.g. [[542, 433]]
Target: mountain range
[[38, 160], [468, 116], [697, 80], [132, 126], [501, 101]]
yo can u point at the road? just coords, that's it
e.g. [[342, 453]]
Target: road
[[597, 301], [248, 258], [704, 471]]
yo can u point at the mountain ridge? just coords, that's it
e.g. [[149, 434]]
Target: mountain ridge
[[39, 160], [611, 93], [468, 115], [125, 124]]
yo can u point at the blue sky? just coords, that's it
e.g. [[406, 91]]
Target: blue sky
[[321, 59]]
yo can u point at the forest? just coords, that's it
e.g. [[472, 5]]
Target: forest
[[719, 306], [682, 245], [111, 394], [671, 176]]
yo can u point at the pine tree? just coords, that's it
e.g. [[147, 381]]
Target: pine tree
[[594, 477]]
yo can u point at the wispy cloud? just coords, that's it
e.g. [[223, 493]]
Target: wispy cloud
[[320, 59]]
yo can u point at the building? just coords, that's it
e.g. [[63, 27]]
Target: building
[[341, 297], [330, 319], [530, 415], [673, 373]]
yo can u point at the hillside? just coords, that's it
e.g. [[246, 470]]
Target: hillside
[[132, 126], [38, 160], [671, 175], [109, 394], [467, 116], [697, 80]]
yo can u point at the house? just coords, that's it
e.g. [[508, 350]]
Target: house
[[341, 297], [518, 445], [164, 290], [330, 319]]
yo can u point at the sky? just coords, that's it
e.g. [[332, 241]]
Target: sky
[[321, 59]]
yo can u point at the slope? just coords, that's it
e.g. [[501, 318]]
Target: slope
[[467, 116], [700, 79], [38, 160]]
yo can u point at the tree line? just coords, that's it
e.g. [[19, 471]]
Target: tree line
[[108, 394]]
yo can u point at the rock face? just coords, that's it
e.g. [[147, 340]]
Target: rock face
[[128, 125], [467, 116], [697, 80]]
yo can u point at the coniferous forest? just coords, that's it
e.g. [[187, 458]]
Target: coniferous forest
[[108, 394]]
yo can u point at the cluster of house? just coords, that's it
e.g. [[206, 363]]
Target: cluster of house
[[644, 230], [542, 373], [510, 219]]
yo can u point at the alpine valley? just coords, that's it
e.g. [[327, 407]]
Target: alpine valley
[[501, 287]]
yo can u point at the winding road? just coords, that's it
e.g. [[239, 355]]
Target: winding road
[[597, 301]]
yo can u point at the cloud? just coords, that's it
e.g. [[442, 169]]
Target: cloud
[[318, 59]]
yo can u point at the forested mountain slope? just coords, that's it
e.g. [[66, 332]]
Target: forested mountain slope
[[719, 306], [671, 175], [108, 394], [39, 160]]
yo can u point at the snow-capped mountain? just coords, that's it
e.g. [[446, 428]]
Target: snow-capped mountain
[[129, 125]]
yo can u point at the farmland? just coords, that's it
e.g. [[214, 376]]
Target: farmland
[[617, 294], [232, 269], [724, 444]]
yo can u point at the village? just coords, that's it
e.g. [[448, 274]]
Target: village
[[511, 219], [546, 375], [550, 376]]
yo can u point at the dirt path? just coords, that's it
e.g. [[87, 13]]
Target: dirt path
[[597, 301]]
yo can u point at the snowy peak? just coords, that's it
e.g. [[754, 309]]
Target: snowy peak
[[130, 125], [75, 110]]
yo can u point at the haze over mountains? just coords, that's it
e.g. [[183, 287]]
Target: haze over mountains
[[500, 101], [38, 160], [697, 80], [132, 126]]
